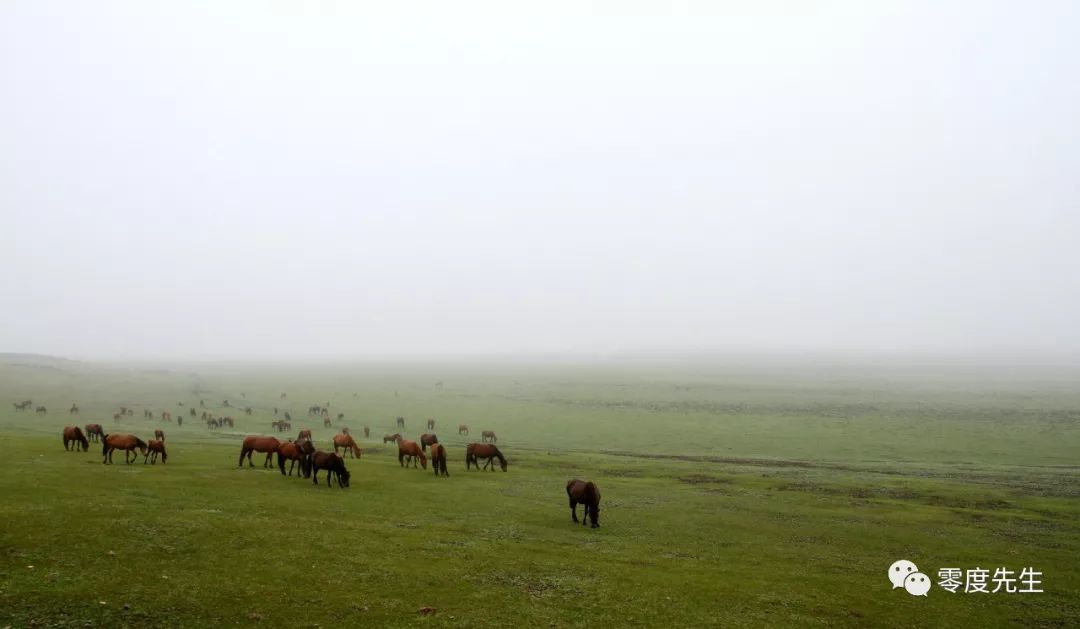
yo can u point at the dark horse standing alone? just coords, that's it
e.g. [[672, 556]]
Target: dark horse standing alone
[[586, 493]]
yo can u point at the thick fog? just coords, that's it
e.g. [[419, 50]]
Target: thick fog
[[340, 180]]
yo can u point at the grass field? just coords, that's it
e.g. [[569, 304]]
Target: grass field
[[737, 495]]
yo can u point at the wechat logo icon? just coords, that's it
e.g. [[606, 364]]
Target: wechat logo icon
[[905, 574]]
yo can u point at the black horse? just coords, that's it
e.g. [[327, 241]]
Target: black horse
[[586, 493]]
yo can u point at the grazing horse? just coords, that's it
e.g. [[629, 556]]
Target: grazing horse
[[74, 410], [367, 432], [294, 452], [427, 439], [94, 432], [127, 443], [586, 493], [155, 447], [394, 437], [333, 464], [438, 459], [430, 423], [41, 410], [463, 429], [346, 441], [269, 445], [475, 451], [412, 450], [488, 436], [22, 406], [400, 422], [74, 436], [159, 434]]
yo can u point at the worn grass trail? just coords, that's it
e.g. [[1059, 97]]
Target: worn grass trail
[[784, 511]]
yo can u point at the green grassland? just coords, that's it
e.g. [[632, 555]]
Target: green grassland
[[734, 494]]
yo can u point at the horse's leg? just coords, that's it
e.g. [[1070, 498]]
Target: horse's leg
[[315, 474], [573, 509]]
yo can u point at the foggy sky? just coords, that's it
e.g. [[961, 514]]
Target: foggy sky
[[339, 179]]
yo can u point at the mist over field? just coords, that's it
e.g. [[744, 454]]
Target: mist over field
[[329, 180], [779, 297]]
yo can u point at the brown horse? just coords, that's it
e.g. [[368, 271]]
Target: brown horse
[[159, 434], [94, 432], [586, 493], [304, 433], [463, 429], [294, 452], [394, 437], [476, 451], [430, 423], [412, 450], [333, 464], [155, 447], [127, 443], [74, 437], [427, 439], [438, 459], [269, 445], [346, 441]]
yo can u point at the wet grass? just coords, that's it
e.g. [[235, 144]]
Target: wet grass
[[785, 509]]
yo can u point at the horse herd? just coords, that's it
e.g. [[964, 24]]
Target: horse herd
[[303, 453]]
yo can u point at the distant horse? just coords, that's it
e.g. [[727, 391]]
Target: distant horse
[[279, 425], [346, 441], [427, 439], [344, 430], [400, 422], [166, 416], [288, 417], [305, 433], [127, 443], [367, 432], [228, 420], [430, 423], [247, 410], [488, 436], [463, 429], [94, 432], [586, 493], [22, 406], [333, 464], [340, 416], [269, 445], [193, 411], [116, 417], [326, 422], [159, 434], [294, 452], [41, 410], [438, 459], [74, 410], [74, 437], [476, 451], [130, 412], [412, 450], [389, 438], [283, 396], [155, 447], [148, 414]]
